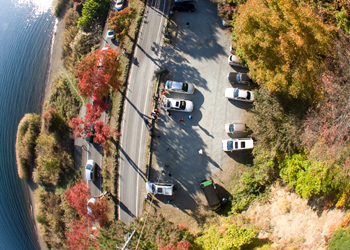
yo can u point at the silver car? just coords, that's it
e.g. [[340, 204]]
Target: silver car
[[233, 128], [179, 87], [160, 188], [239, 94], [90, 170], [177, 105], [240, 78]]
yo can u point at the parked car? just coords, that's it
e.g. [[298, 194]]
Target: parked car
[[234, 60], [233, 128], [110, 34], [237, 144], [211, 194], [226, 23], [90, 201], [90, 138], [239, 94], [90, 170], [179, 87], [119, 4], [184, 7], [240, 78], [177, 105], [160, 188]]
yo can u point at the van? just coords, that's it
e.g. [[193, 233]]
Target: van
[[211, 195]]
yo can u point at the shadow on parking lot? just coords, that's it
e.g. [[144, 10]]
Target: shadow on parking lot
[[242, 156], [98, 178]]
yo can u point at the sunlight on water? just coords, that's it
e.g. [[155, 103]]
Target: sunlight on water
[[39, 6]]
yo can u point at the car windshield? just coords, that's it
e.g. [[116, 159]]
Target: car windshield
[[167, 104], [119, 1], [232, 128], [248, 95], [185, 86], [230, 145], [235, 93], [110, 32], [239, 78], [170, 84], [182, 105], [88, 167]]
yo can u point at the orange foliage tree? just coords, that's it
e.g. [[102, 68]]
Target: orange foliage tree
[[284, 43], [99, 72], [120, 21]]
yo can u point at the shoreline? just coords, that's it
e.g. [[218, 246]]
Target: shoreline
[[54, 67]]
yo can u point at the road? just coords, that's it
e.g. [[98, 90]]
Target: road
[[132, 158]]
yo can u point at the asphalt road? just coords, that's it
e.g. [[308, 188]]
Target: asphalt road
[[132, 158]]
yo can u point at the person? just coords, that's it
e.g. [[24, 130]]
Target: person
[[190, 117], [181, 120], [187, 24], [124, 51], [156, 111], [200, 151], [169, 201]]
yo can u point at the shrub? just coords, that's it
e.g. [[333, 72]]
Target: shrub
[[340, 240], [27, 132]]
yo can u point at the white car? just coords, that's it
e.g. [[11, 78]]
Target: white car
[[92, 201], [234, 60], [119, 4], [160, 188], [177, 105], [90, 170], [179, 87], [233, 128], [237, 144], [239, 94], [110, 34]]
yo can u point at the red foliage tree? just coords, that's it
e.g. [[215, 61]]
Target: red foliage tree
[[93, 113], [98, 72], [179, 246], [77, 197], [99, 211]]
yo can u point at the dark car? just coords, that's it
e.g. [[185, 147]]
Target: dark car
[[240, 78], [210, 193], [184, 7]]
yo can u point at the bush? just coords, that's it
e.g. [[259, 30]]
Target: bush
[[61, 4], [340, 240], [27, 132], [226, 236], [251, 185]]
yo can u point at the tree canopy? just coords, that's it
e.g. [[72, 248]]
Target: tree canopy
[[284, 44], [98, 72], [92, 10]]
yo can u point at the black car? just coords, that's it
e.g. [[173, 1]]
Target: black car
[[184, 7], [240, 78]]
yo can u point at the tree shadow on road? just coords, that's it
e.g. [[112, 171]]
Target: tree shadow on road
[[133, 164]]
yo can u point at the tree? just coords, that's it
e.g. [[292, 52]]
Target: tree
[[226, 236], [99, 130], [92, 10], [311, 177], [120, 21], [98, 72], [284, 44], [178, 246], [78, 237], [77, 197]]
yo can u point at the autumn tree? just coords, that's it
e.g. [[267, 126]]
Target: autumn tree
[[78, 237], [99, 72], [284, 44], [77, 196], [120, 21]]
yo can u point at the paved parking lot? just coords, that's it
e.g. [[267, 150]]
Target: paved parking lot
[[198, 54]]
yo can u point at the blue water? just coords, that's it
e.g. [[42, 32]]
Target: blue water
[[26, 30]]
